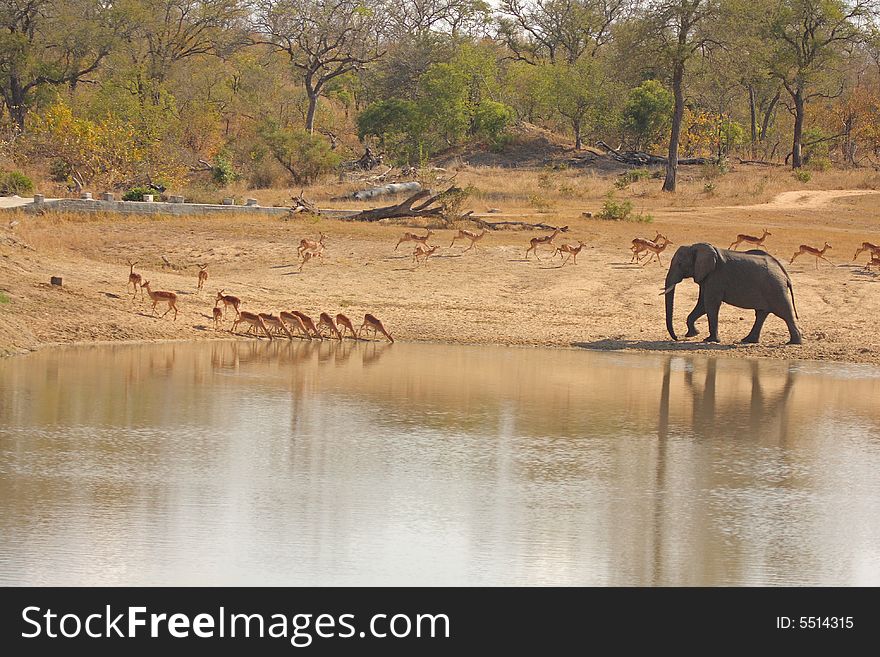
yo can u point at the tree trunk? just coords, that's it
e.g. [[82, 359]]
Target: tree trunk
[[17, 105], [799, 106], [753, 116], [674, 138], [310, 115], [765, 124], [578, 141]]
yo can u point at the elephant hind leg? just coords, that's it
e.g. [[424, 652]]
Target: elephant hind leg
[[755, 333]]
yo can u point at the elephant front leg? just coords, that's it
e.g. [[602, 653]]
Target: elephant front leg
[[712, 310], [755, 333], [698, 311]]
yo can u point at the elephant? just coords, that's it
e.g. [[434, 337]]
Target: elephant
[[745, 279]]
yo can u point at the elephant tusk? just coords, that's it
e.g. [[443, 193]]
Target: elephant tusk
[[667, 290]]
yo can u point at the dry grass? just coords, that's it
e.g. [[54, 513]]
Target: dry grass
[[571, 191]]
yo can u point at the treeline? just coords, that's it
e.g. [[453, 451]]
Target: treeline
[[124, 93]]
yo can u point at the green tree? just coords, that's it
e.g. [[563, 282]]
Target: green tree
[[647, 113], [45, 43]]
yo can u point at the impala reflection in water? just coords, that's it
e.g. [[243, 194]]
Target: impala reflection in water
[[372, 463]]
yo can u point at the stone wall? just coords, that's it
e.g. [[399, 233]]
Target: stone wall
[[161, 208]]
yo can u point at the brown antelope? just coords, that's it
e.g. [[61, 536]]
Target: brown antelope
[[638, 245], [308, 323], [326, 321], [572, 250], [874, 261], [203, 276], [751, 239], [275, 323], [295, 321], [656, 248], [867, 246], [373, 324], [228, 300], [308, 254], [254, 322], [412, 237], [535, 242], [345, 323], [135, 280], [218, 317], [160, 295], [813, 251], [469, 235], [422, 253], [311, 245]]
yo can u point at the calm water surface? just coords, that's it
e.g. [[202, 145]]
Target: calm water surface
[[250, 463]]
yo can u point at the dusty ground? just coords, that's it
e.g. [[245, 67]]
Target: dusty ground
[[492, 295]]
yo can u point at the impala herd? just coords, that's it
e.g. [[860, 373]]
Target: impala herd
[[294, 323]]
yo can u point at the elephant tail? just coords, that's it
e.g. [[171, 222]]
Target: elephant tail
[[791, 291]]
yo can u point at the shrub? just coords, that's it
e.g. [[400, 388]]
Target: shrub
[[491, 119], [709, 187], [137, 193], [540, 203], [222, 172], [614, 210], [647, 113], [60, 171], [15, 182], [305, 156], [627, 178], [802, 175], [4, 298]]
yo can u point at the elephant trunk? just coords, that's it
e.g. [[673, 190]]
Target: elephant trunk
[[670, 303]]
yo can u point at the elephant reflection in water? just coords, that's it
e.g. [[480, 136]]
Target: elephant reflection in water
[[709, 414]]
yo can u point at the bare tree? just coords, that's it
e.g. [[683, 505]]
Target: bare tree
[[324, 39], [808, 37], [557, 30], [164, 32]]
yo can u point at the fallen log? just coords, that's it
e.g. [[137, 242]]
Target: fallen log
[[639, 158], [762, 163], [384, 190], [300, 204], [495, 225], [408, 207]]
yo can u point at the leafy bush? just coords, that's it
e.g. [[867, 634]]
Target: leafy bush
[[60, 171], [304, 155], [491, 119], [709, 187], [627, 178], [223, 172], [614, 210], [802, 175], [15, 182], [137, 193], [3, 298], [647, 113], [540, 203]]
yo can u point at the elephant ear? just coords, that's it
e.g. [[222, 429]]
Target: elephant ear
[[705, 262]]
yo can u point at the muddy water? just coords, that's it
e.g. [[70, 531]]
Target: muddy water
[[254, 463]]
